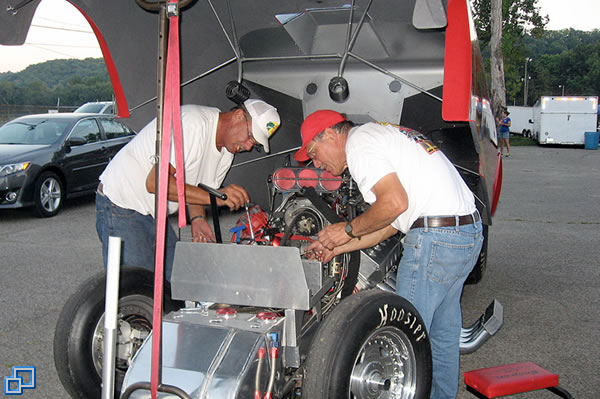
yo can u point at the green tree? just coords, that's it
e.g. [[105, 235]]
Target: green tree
[[567, 58], [519, 18], [8, 93], [37, 93], [73, 81]]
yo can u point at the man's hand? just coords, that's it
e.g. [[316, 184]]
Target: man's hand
[[201, 231], [317, 251], [334, 235], [237, 196]]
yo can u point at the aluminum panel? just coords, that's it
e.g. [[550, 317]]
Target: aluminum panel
[[261, 276]]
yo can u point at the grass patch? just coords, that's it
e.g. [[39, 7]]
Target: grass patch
[[518, 140]]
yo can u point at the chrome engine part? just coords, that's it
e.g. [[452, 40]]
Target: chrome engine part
[[303, 217]]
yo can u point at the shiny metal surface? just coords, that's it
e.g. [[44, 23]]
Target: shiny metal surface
[[385, 367], [378, 264], [240, 275], [50, 194], [135, 313], [207, 355], [490, 322]]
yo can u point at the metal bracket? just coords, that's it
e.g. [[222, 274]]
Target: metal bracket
[[161, 388], [172, 8], [291, 351], [15, 9]]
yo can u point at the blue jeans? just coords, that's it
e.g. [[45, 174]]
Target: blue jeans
[[137, 235], [434, 266]]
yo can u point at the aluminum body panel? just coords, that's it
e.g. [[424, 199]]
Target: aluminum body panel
[[241, 275], [207, 355]]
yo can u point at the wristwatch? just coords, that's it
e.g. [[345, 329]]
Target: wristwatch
[[348, 230]]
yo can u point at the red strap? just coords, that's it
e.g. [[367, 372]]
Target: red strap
[[120, 99], [171, 122], [457, 63]]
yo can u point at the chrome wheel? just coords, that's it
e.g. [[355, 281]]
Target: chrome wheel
[[135, 323], [385, 367], [50, 194]]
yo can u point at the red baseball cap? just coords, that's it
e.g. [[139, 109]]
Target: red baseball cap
[[314, 124]]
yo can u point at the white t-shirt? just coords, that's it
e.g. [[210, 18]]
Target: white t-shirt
[[124, 179], [432, 183]]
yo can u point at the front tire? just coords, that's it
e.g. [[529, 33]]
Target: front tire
[[79, 335], [373, 345], [49, 195]]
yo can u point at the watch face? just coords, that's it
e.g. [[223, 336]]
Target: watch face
[[349, 229]]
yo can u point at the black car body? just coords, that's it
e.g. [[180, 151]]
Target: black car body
[[47, 158]]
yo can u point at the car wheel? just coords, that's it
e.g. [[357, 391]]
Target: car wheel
[[374, 344], [477, 273], [49, 195], [79, 335]]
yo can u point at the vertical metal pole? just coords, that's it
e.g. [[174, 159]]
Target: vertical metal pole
[[111, 309], [161, 67], [525, 84], [160, 76]]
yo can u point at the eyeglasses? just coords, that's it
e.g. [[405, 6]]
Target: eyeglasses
[[310, 152], [315, 140]]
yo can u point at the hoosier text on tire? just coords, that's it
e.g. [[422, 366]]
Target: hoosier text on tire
[[372, 345]]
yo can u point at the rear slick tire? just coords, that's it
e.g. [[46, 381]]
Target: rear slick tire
[[373, 345], [79, 334]]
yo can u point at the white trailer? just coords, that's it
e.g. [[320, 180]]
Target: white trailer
[[521, 120], [564, 119]]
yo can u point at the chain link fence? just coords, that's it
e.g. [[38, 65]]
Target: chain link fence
[[10, 112]]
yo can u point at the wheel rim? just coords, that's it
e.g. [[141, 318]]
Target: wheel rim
[[50, 194], [385, 367], [135, 323]]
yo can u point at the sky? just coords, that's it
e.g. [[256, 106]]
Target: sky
[[60, 31]]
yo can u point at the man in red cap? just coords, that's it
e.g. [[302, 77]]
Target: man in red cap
[[412, 188]]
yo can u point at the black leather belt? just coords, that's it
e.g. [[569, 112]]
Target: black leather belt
[[447, 221]]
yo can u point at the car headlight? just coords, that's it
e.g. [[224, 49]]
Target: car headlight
[[6, 170]]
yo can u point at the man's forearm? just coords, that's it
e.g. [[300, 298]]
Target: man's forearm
[[193, 195], [366, 241]]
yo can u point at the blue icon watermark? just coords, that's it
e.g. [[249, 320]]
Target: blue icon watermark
[[23, 377]]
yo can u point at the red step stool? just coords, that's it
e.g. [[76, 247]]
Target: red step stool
[[512, 378]]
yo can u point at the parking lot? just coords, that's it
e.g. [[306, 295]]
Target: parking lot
[[543, 266]]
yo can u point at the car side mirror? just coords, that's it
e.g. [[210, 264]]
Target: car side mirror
[[75, 141]]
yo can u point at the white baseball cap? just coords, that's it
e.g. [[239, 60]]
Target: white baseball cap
[[265, 120]]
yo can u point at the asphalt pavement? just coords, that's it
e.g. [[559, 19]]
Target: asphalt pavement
[[543, 266]]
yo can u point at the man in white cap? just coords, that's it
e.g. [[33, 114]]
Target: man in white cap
[[125, 197]]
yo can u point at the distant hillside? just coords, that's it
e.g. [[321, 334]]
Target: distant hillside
[[70, 82], [57, 72]]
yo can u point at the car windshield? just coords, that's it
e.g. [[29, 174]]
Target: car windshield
[[93, 108], [37, 132]]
